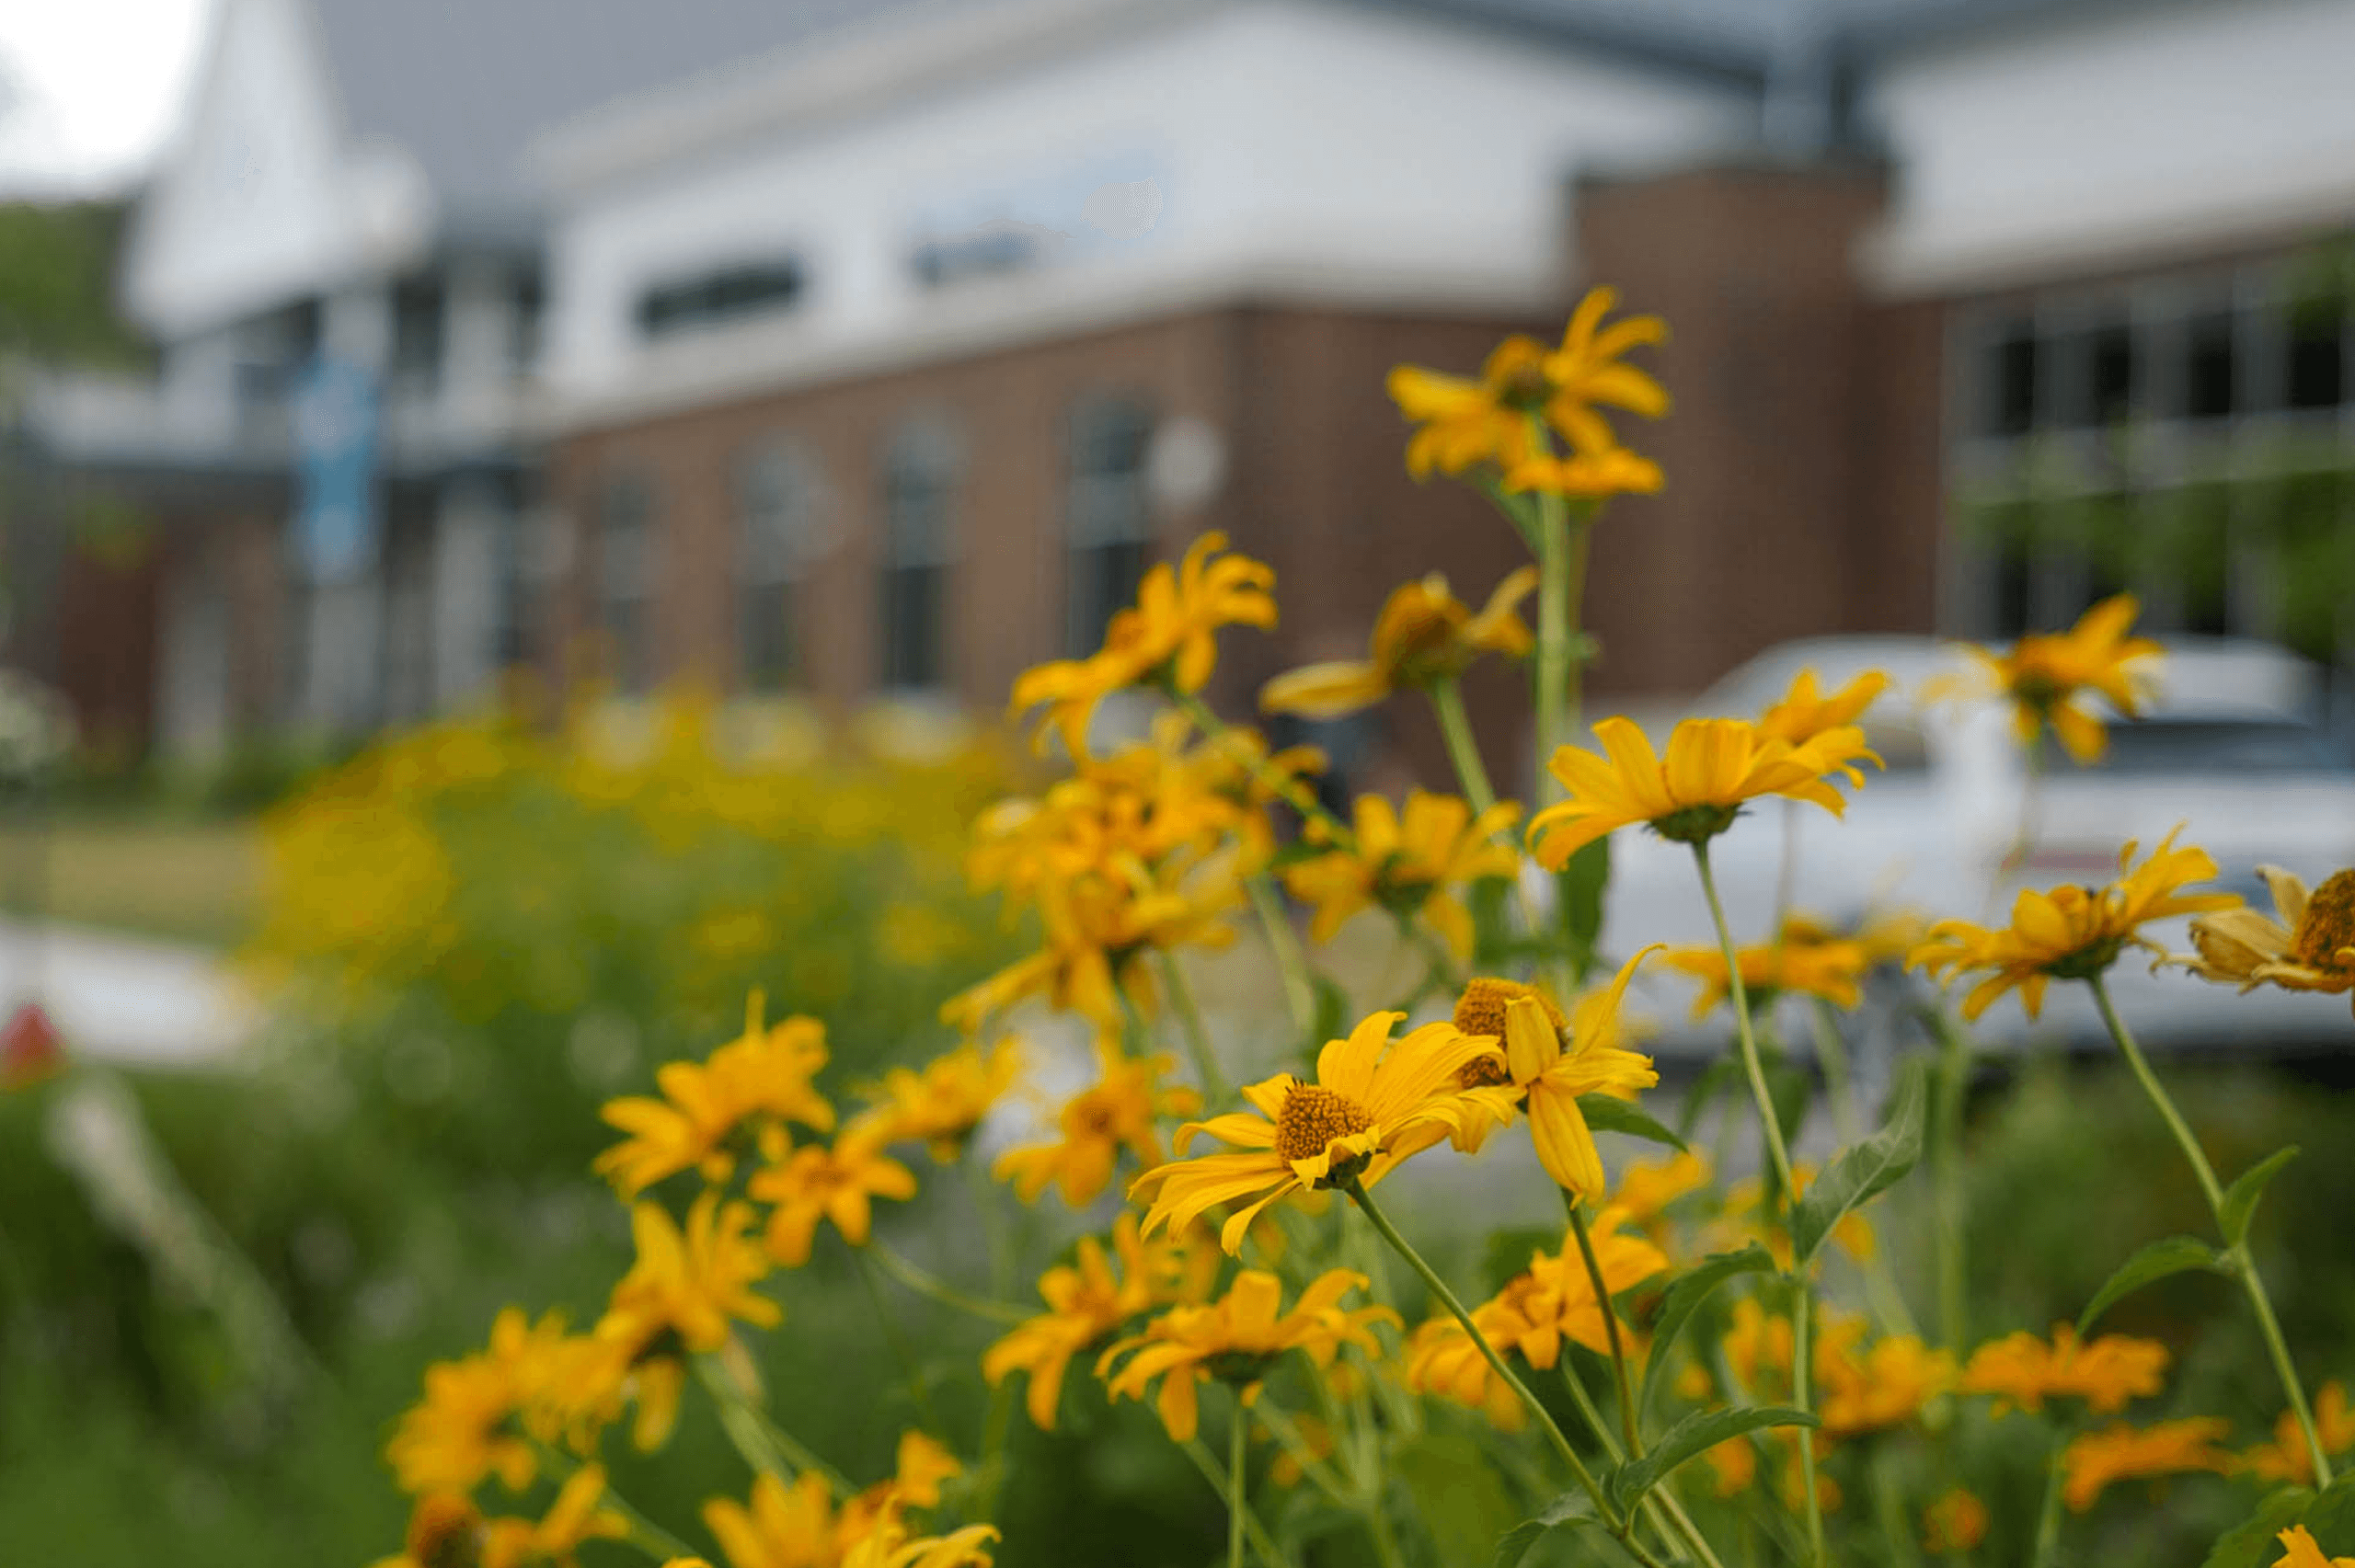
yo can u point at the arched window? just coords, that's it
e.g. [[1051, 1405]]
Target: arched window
[[778, 521], [920, 469], [625, 512], [1108, 527]]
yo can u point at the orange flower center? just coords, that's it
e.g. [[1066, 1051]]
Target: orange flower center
[[1311, 1118], [2329, 922], [444, 1532], [1481, 1008]]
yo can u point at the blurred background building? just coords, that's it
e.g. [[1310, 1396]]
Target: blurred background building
[[855, 349]]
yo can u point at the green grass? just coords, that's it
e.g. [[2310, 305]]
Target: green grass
[[187, 880]]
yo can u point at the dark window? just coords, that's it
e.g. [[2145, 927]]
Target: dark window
[[2011, 381], [919, 479], [1107, 523], [723, 294], [986, 252], [2209, 383], [417, 333], [776, 499], [624, 574], [527, 302], [2317, 355], [2217, 746]]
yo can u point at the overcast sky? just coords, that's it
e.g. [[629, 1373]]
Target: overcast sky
[[90, 88]]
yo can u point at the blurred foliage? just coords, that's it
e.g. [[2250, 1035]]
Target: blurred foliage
[[57, 262], [489, 931]]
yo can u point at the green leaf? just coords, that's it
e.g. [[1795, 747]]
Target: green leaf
[[1457, 1493], [2240, 1199], [2254, 1542], [1696, 1433], [1569, 1508], [2176, 1254], [1685, 1294], [1857, 1175], [1606, 1113], [2331, 1517], [1578, 892]]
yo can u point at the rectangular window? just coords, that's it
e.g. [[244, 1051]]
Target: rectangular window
[[2208, 380], [417, 315], [776, 503], [919, 478], [2011, 381], [625, 585], [1108, 523], [2318, 354]]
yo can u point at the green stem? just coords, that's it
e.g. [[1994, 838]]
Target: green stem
[[1262, 1542], [1946, 1177], [1802, 1374], [1613, 1519], [1238, 1434], [899, 1347], [924, 1283], [1198, 1036], [1299, 993], [2242, 1263], [1628, 1422], [1890, 1511], [2048, 1517], [1463, 747], [1296, 1444], [990, 1476]]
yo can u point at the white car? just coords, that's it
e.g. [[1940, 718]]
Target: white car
[[2227, 753]]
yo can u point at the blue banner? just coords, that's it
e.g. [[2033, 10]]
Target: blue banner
[[333, 409]]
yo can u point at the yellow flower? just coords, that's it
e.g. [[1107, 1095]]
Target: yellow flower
[[2300, 1550], [1169, 635], [1957, 1522], [1547, 1079], [1086, 1304], [1756, 1344], [1423, 635], [2021, 1369], [1408, 864], [681, 1294], [573, 1519], [836, 1185], [2070, 933], [460, 1430], [761, 1074], [2171, 1448], [2049, 676], [1587, 370], [1237, 1339], [2285, 1458], [1117, 1111], [444, 1529], [943, 1103], [1647, 1188], [1551, 1300], [1374, 1104], [788, 1524], [1804, 713], [1712, 766], [1466, 423], [1735, 1465], [1809, 960], [886, 1545], [1887, 1386], [1588, 474], [2309, 946]]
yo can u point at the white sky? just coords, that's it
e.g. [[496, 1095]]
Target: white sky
[[89, 90]]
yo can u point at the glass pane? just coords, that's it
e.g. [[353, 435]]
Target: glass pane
[[767, 632], [2011, 383], [2209, 383], [1103, 579], [911, 625], [2317, 350]]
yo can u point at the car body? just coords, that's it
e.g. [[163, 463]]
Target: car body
[[1958, 820]]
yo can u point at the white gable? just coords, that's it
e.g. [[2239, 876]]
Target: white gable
[[261, 202]]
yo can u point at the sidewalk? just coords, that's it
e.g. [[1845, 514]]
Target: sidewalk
[[126, 1000]]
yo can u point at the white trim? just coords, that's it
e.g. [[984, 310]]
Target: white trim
[[752, 361], [920, 50], [2267, 207]]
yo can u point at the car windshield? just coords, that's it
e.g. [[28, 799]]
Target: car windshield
[[2218, 746]]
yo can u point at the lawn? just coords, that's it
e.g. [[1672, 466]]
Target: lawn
[[187, 879]]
